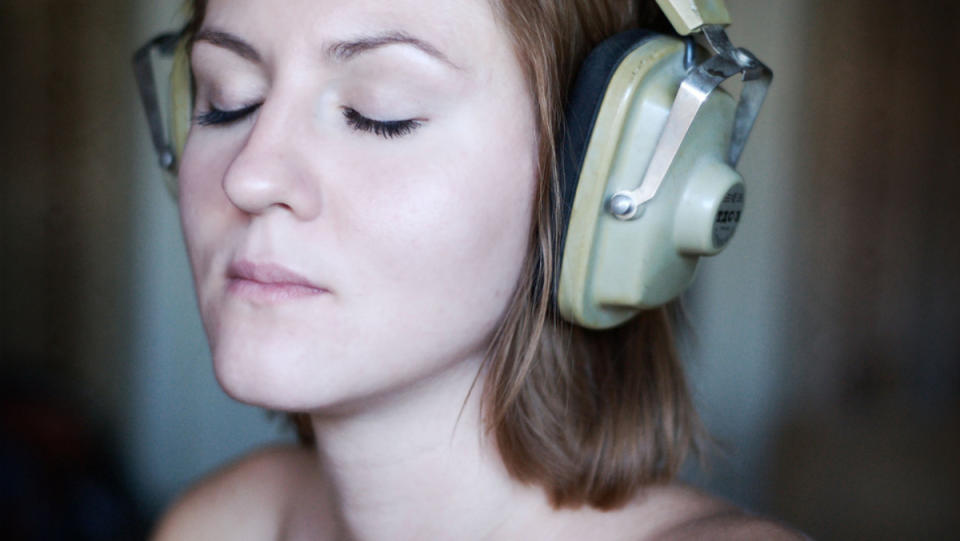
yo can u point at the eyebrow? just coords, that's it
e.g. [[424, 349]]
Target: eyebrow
[[228, 41], [345, 50], [340, 50]]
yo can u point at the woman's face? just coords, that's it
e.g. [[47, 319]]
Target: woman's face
[[356, 192]]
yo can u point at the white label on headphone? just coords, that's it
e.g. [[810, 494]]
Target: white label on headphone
[[728, 215]]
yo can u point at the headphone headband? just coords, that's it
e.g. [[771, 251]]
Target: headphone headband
[[690, 16]]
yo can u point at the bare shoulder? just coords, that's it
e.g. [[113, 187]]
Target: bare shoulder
[[696, 515], [733, 526], [246, 499]]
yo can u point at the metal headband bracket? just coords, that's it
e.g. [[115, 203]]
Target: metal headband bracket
[[143, 70], [693, 93], [689, 16]]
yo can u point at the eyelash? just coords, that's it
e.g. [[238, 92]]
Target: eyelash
[[388, 129], [215, 116]]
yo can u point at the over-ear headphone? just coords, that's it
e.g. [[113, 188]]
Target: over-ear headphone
[[646, 165], [646, 159]]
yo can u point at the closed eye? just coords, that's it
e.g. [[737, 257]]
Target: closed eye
[[388, 129], [215, 116]]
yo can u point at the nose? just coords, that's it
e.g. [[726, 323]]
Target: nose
[[271, 170]]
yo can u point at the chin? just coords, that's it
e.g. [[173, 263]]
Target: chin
[[325, 378], [274, 391], [271, 377], [311, 357], [272, 361], [300, 380]]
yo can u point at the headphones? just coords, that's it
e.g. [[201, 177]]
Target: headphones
[[647, 158]]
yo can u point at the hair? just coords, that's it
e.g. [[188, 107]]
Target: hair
[[591, 416]]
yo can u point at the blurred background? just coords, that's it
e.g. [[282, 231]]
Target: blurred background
[[823, 348]]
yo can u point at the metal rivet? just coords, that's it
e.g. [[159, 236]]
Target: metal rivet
[[622, 205], [166, 159]]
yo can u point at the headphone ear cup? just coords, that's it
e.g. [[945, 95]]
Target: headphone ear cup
[[181, 103], [610, 269]]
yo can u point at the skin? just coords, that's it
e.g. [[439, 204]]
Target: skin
[[293, 184], [406, 251]]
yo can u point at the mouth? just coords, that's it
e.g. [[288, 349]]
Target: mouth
[[269, 282]]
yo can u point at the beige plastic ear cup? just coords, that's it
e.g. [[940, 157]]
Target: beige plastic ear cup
[[181, 103], [611, 268], [709, 209]]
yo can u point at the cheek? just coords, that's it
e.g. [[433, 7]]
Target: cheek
[[457, 215], [208, 221], [203, 205]]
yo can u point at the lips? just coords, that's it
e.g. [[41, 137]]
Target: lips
[[268, 282]]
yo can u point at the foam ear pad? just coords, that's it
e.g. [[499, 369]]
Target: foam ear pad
[[580, 116]]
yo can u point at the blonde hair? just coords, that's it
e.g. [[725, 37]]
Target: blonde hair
[[589, 416]]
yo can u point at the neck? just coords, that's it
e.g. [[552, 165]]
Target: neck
[[417, 464]]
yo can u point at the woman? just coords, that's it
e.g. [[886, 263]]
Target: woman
[[367, 194]]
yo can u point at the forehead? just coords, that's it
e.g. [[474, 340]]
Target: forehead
[[465, 31]]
